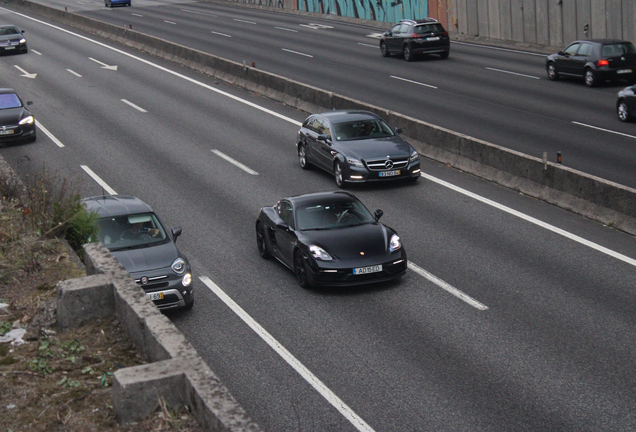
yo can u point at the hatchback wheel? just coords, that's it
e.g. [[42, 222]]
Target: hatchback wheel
[[339, 175], [552, 72], [444, 55], [384, 50], [408, 54], [302, 156], [300, 268], [622, 111], [261, 243], [590, 78]]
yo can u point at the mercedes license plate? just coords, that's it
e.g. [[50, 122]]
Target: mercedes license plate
[[389, 173], [7, 132], [9, 48], [622, 71], [155, 296], [366, 270]]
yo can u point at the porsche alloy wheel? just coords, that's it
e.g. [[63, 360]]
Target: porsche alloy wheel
[[261, 243], [300, 268]]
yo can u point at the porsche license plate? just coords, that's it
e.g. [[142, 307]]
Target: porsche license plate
[[155, 296], [367, 270], [622, 71], [7, 132], [390, 173]]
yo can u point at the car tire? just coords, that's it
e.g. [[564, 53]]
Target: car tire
[[444, 55], [261, 242], [408, 54], [300, 269], [623, 111], [552, 72], [590, 78], [339, 175], [384, 50], [302, 156]]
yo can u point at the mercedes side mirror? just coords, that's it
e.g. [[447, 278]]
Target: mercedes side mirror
[[378, 214]]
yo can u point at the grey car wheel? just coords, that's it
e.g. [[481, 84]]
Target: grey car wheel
[[590, 78], [408, 54], [552, 72], [302, 156], [339, 176], [622, 111], [384, 50], [300, 269]]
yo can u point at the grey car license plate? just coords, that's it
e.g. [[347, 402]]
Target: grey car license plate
[[6, 132], [155, 296], [390, 173], [9, 48], [367, 270]]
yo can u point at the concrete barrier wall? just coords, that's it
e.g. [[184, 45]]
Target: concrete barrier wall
[[599, 199]]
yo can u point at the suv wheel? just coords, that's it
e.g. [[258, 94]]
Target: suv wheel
[[408, 54], [590, 78], [384, 50], [622, 111], [552, 72]]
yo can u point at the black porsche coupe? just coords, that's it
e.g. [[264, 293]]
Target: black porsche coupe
[[330, 239]]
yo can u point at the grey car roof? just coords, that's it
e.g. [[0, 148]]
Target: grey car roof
[[116, 205], [338, 116]]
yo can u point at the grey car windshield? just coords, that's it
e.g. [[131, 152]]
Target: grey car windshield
[[132, 231], [328, 215], [362, 129], [9, 100], [6, 31]]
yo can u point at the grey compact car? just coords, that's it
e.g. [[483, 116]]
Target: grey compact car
[[134, 234]]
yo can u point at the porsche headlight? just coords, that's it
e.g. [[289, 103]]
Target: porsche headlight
[[27, 120], [414, 156], [395, 243], [178, 266], [354, 162], [319, 253]]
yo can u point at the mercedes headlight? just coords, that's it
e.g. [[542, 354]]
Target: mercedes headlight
[[354, 162], [414, 156], [395, 243], [319, 253]]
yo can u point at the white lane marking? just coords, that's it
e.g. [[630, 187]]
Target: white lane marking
[[286, 29], [137, 15], [221, 34], [513, 73], [368, 45], [604, 130], [99, 181], [198, 13], [163, 69], [296, 52], [104, 65], [535, 221], [314, 26], [25, 73], [74, 73], [138, 108], [49, 134], [318, 385], [36, 52], [500, 49], [375, 35], [234, 162], [170, 22], [413, 82], [446, 286], [243, 21]]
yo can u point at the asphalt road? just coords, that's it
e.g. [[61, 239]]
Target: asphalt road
[[515, 315]]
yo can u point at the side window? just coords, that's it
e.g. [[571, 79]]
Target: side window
[[405, 28], [572, 49], [585, 50], [324, 128], [396, 28], [313, 125], [285, 213]]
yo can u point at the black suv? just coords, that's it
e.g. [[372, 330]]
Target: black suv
[[412, 37], [136, 237], [594, 60]]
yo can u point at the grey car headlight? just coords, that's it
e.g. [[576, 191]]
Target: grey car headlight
[[178, 266], [319, 253], [395, 243], [354, 162], [414, 156]]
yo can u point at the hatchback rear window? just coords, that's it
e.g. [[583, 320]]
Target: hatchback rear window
[[616, 49], [428, 28]]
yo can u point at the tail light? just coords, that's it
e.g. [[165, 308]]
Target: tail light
[[602, 62]]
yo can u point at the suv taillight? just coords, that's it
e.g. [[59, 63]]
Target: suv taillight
[[602, 62]]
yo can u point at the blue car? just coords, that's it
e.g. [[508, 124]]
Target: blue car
[[111, 3]]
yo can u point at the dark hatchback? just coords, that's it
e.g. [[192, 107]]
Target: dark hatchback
[[626, 104], [12, 40], [16, 122], [330, 239], [134, 234], [410, 38], [356, 147], [594, 60]]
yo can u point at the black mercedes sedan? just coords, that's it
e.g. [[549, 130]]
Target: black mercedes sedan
[[134, 234], [12, 40], [16, 122], [594, 60], [626, 104], [330, 239], [356, 146]]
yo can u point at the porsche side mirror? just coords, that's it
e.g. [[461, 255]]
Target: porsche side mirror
[[378, 214], [176, 232]]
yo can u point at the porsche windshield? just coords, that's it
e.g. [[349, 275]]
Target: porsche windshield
[[330, 215]]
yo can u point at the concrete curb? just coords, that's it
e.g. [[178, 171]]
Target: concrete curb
[[598, 199], [176, 372]]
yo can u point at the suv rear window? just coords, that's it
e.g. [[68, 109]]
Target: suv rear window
[[617, 49], [428, 28]]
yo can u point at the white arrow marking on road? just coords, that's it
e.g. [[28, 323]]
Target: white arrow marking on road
[[26, 74], [104, 65]]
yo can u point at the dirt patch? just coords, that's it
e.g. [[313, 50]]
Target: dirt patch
[[58, 381]]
